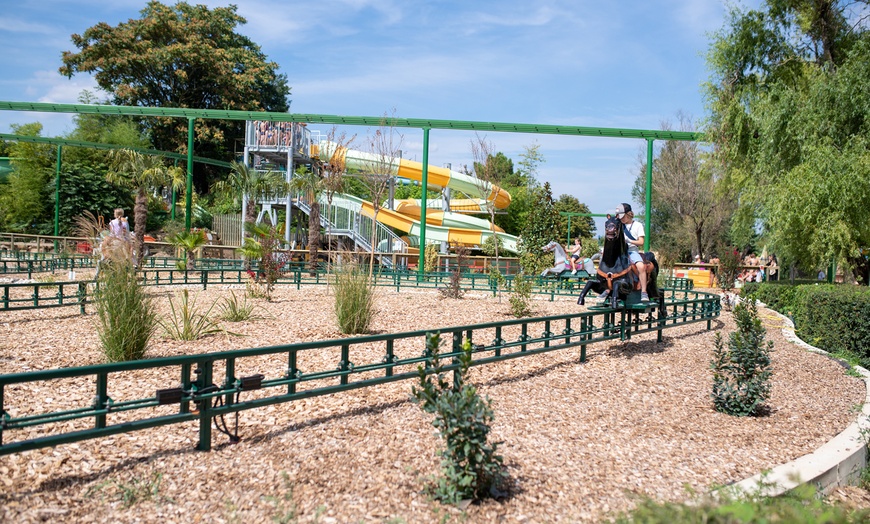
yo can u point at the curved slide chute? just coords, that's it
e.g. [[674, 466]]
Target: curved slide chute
[[434, 233], [441, 226]]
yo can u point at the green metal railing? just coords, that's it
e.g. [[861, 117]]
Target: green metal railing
[[160, 272], [209, 386]]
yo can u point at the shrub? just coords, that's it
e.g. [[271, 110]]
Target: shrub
[[454, 285], [798, 506], [729, 268], [354, 300], [232, 309], [430, 258], [741, 374], [186, 322], [833, 317], [126, 316], [470, 467], [520, 298]]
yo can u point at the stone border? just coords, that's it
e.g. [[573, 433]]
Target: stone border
[[836, 463]]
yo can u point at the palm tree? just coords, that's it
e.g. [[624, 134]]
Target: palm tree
[[189, 242], [310, 183], [139, 172], [252, 185]]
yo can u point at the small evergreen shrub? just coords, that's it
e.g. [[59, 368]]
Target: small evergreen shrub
[[470, 467], [354, 300], [520, 298], [125, 313], [741, 373]]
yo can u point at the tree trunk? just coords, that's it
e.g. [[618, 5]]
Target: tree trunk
[[140, 216], [313, 237], [251, 211]]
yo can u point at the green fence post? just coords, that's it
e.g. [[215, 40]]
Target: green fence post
[[205, 380]]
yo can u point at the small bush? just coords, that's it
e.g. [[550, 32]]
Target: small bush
[[232, 309], [729, 268], [799, 506], [470, 467], [430, 258], [741, 374], [126, 316], [520, 298], [186, 322], [354, 300], [454, 285]]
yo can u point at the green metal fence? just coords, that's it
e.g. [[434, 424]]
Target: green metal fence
[[207, 387]]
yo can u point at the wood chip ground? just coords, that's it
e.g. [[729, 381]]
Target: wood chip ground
[[581, 440]]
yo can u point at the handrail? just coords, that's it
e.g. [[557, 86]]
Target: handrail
[[391, 357]]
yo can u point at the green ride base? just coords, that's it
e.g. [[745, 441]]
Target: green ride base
[[632, 302]]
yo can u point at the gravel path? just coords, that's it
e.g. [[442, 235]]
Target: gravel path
[[581, 440]]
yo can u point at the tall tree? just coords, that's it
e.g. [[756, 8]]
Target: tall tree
[[140, 172], [310, 182], [385, 145], [488, 170], [244, 182], [334, 168], [581, 225], [182, 56], [789, 112], [690, 210], [26, 198], [541, 228]]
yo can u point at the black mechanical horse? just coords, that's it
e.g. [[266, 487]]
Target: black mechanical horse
[[615, 271]]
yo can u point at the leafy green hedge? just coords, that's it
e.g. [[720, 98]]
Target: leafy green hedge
[[835, 318]]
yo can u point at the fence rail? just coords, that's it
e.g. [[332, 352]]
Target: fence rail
[[278, 374]]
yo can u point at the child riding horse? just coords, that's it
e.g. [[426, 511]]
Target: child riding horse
[[615, 271]]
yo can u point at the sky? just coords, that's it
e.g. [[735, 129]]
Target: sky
[[628, 64]]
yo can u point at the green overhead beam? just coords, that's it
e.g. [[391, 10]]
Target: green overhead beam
[[95, 145], [419, 123]]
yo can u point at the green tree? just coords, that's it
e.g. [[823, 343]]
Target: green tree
[[189, 242], [541, 228], [140, 172], [581, 226], [250, 184], [789, 107], [181, 56], [26, 198], [690, 208]]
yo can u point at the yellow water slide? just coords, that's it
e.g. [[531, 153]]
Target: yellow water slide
[[441, 225]]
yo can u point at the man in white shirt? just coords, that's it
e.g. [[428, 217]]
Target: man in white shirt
[[634, 235]]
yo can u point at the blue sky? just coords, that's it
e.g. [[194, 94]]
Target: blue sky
[[626, 64]]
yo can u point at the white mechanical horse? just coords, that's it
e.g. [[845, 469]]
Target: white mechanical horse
[[561, 258]]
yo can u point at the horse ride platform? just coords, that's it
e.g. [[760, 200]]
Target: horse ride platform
[[631, 303]]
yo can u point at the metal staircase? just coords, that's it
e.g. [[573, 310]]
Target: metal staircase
[[344, 218]]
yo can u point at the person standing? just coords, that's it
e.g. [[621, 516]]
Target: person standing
[[119, 227], [634, 237]]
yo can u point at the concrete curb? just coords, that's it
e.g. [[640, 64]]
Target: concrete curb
[[837, 463]]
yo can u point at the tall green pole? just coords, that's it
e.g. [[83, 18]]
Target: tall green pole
[[174, 195], [188, 197], [57, 193], [569, 229], [648, 203], [421, 262]]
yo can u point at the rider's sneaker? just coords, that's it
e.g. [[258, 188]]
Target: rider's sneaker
[[574, 272], [644, 297], [603, 296]]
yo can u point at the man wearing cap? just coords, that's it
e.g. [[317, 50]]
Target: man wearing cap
[[634, 235]]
